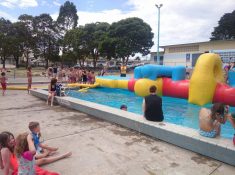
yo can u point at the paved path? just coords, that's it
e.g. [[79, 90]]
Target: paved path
[[36, 80], [99, 147]]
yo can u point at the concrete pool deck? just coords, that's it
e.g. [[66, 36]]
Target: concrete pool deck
[[218, 148], [100, 147]]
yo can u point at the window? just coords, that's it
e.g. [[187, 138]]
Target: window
[[226, 55], [184, 49]]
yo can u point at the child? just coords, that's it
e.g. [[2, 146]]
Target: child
[[25, 153], [92, 77], [52, 91], [1, 163], [231, 119], [41, 149], [84, 77], [123, 107], [89, 77], [3, 81], [29, 76]]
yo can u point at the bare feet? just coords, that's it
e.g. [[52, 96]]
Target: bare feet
[[67, 154]]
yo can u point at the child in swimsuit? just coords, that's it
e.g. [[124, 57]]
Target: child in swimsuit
[[51, 91], [210, 120], [29, 76], [41, 149], [92, 77], [3, 81]]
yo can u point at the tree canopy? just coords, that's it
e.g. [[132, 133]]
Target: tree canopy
[[226, 27], [131, 35], [43, 37], [68, 18]]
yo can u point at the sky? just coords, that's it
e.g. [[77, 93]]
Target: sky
[[182, 21]]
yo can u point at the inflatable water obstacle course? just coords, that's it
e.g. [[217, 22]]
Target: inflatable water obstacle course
[[207, 84]]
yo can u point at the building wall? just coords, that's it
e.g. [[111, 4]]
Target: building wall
[[172, 59], [187, 54]]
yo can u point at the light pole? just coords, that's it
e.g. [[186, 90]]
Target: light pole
[[158, 34]]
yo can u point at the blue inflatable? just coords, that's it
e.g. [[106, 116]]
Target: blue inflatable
[[154, 71], [231, 78]]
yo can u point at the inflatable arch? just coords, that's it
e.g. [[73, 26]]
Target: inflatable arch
[[155, 71], [207, 73]]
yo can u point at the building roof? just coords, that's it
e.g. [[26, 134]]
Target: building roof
[[203, 42]]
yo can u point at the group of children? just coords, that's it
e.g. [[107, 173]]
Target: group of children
[[72, 75], [26, 153], [81, 76]]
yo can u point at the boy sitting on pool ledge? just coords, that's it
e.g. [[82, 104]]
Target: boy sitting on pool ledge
[[210, 120], [152, 106]]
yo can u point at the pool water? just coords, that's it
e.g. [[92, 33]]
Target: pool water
[[177, 111]]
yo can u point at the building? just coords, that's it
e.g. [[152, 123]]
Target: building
[[187, 54]]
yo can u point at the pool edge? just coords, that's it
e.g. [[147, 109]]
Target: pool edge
[[220, 148]]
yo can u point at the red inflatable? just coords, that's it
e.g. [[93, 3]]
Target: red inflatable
[[178, 89], [224, 94], [131, 84]]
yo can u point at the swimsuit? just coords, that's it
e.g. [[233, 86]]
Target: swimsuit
[[53, 88], [36, 142], [4, 86], [210, 134]]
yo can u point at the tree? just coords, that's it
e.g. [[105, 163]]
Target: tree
[[28, 34], [5, 43], [107, 48], [46, 45], [131, 36], [94, 34], [68, 18], [76, 47], [18, 35], [226, 28]]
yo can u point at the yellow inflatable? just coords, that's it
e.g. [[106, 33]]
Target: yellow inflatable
[[142, 86], [83, 85], [83, 89], [207, 73], [122, 84]]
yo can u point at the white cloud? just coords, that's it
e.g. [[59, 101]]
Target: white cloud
[[19, 3], [56, 3], [7, 16], [181, 21]]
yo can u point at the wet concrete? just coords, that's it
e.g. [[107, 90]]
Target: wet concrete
[[100, 147]]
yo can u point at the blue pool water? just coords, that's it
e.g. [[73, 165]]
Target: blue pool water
[[177, 111]]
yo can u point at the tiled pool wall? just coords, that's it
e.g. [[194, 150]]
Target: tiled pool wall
[[218, 148]]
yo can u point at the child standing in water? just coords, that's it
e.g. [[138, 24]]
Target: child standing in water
[[3, 81], [29, 76]]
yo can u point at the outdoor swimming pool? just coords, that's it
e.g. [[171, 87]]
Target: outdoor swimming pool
[[177, 111]]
